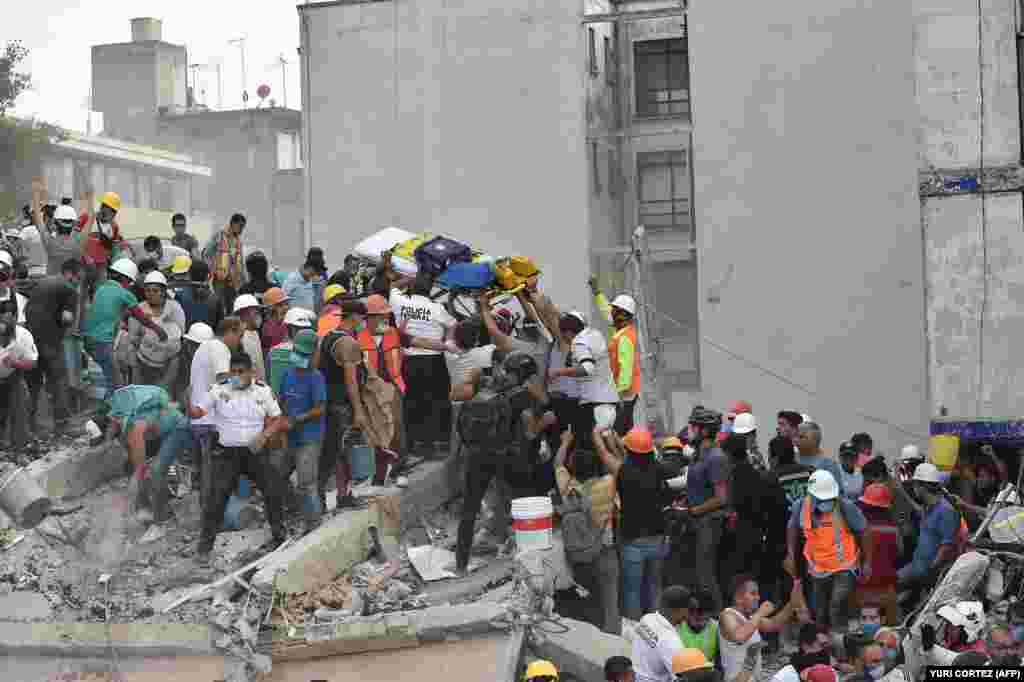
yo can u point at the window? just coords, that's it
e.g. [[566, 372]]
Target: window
[[664, 190], [614, 175], [609, 61], [662, 78], [592, 51], [289, 150], [595, 169], [145, 191]]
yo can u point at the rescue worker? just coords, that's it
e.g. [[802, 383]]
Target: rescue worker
[[65, 243], [274, 329], [877, 584], [280, 356], [742, 625], [619, 669], [246, 417], [541, 671], [225, 255], [247, 309], [140, 414], [699, 629], [381, 347], [18, 354], [691, 665], [852, 480], [656, 637], [303, 395], [707, 494], [104, 245], [152, 360], [180, 277], [51, 311], [330, 313], [197, 299], [833, 542], [937, 536], [623, 352]]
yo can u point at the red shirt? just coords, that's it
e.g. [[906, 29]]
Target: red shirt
[[96, 252]]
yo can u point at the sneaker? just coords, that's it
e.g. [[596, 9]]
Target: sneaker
[[347, 502]]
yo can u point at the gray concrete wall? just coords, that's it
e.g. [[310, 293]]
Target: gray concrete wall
[[130, 81], [969, 103], [808, 222], [466, 118]]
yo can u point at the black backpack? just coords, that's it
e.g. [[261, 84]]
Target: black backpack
[[583, 541], [487, 419]]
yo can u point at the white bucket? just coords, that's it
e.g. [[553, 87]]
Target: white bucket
[[532, 518]]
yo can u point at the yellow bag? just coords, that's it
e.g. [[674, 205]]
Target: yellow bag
[[523, 266], [944, 451], [407, 249], [507, 278]]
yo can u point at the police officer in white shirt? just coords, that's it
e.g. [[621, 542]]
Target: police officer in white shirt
[[17, 354], [656, 637], [246, 416], [425, 407]]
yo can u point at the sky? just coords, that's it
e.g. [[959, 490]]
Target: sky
[[60, 33]]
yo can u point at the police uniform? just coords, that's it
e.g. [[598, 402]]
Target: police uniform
[[239, 416]]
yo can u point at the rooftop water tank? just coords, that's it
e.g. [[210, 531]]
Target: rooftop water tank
[[147, 29]]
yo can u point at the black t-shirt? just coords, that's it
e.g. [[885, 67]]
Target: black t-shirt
[[793, 478], [51, 296], [641, 488]]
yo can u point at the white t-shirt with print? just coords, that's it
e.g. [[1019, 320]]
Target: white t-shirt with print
[[422, 317], [655, 641], [213, 357], [598, 386]]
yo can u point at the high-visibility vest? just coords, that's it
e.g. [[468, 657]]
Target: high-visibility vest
[[626, 333], [390, 349], [830, 547]]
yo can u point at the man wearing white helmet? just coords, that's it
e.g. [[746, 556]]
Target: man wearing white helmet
[[65, 242], [190, 342], [939, 526], [833, 546], [112, 305], [247, 308], [153, 360], [622, 352]]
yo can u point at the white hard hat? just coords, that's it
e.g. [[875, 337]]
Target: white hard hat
[[199, 332], [626, 303], [970, 615], [65, 213], [246, 301], [299, 317], [910, 452], [6, 259], [155, 277], [806, 418], [126, 267], [926, 472], [579, 316], [744, 423], [822, 486]]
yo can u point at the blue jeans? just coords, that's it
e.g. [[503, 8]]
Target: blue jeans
[[642, 562], [103, 353], [176, 440]]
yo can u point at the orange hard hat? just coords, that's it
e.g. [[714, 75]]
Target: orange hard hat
[[689, 660], [377, 305], [274, 295], [639, 441], [877, 495]]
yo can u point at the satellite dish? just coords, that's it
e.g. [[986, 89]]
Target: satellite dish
[[263, 91]]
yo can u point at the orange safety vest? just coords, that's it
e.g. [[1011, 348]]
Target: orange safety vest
[[830, 547], [627, 332], [390, 348]]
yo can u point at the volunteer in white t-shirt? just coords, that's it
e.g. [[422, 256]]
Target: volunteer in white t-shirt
[[18, 353], [592, 369], [656, 637], [741, 625], [210, 365], [465, 369], [425, 408]]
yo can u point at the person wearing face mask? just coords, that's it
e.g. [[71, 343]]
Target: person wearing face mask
[[882, 548], [65, 242], [742, 625], [384, 388], [247, 309], [51, 311], [810, 652], [303, 395], [867, 658], [246, 417], [302, 287], [707, 493], [699, 630], [831, 530], [937, 536], [104, 244], [622, 351], [154, 360]]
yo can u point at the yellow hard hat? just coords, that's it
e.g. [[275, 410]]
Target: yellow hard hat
[[689, 660], [541, 669], [111, 199], [181, 265], [672, 443], [332, 291]]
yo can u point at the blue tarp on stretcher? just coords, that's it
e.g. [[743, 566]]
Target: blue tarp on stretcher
[[988, 430]]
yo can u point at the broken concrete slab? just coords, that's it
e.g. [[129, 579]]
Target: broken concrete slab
[[439, 623], [24, 606], [581, 650], [97, 639], [75, 472], [390, 632], [431, 485], [230, 545], [551, 563], [464, 589]]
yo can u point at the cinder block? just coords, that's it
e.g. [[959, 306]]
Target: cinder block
[[581, 651], [73, 473], [437, 623]]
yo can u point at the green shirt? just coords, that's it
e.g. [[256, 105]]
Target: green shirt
[[151, 404], [706, 640], [105, 312]]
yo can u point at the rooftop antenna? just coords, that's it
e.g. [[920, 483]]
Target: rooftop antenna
[[283, 63], [241, 48]]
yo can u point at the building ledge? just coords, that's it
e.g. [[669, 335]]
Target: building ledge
[[134, 153]]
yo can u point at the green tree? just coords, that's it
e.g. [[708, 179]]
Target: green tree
[[21, 142]]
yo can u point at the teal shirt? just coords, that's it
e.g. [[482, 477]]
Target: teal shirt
[[105, 312], [151, 404]]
